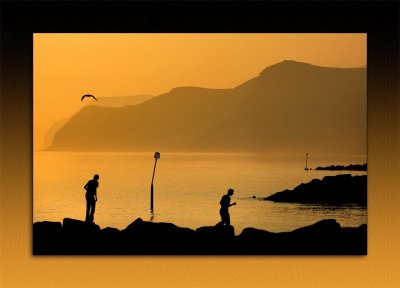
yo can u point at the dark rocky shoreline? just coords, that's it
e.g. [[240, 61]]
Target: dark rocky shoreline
[[351, 167], [340, 189], [75, 237]]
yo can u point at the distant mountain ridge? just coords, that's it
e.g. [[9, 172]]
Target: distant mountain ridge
[[290, 106]]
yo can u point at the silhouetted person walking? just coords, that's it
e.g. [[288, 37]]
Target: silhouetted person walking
[[225, 204], [91, 197]]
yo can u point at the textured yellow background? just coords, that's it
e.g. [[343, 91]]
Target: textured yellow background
[[18, 268]]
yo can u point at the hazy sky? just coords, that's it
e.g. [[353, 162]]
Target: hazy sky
[[66, 66]]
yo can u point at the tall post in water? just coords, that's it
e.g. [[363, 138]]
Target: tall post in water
[[156, 157]]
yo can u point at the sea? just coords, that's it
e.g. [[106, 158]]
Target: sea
[[187, 188]]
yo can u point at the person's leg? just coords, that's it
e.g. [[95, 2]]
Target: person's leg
[[222, 217], [87, 210], [93, 204], [228, 219], [225, 217]]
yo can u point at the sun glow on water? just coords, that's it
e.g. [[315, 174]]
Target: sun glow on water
[[187, 188]]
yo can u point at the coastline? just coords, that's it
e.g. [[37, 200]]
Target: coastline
[[75, 237]]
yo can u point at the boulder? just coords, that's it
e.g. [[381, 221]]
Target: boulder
[[80, 228], [252, 241], [216, 240], [47, 237], [323, 228], [47, 228], [319, 238], [216, 233], [251, 234], [157, 231], [158, 238], [81, 238]]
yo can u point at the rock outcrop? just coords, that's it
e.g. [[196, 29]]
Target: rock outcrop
[[76, 237], [338, 189]]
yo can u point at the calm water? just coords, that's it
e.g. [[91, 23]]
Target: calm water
[[187, 188]]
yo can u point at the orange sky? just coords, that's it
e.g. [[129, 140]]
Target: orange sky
[[66, 66]]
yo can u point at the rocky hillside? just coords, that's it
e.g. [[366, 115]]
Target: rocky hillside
[[289, 106]]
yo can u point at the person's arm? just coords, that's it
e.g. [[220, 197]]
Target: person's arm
[[95, 196], [229, 202], [86, 186]]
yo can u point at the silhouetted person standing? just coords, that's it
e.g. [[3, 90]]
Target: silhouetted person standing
[[91, 197], [225, 204]]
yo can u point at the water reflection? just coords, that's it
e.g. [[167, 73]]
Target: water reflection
[[325, 206], [188, 191]]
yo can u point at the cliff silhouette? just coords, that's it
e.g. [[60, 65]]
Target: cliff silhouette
[[289, 106], [119, 101]]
